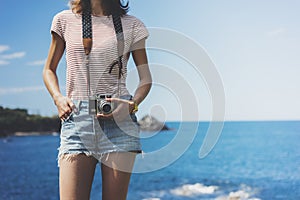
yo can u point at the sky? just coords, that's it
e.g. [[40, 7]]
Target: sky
[[254, 47]]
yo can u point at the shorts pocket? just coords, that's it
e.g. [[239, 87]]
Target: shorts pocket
[[68, 123]]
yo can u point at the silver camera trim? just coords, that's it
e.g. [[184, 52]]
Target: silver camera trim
[[97, 101]]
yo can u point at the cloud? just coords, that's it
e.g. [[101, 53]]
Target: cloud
[[276, 32], [37, 63], [4, 58], [3, 48], [3, 62], [6, 91], [13, 55]]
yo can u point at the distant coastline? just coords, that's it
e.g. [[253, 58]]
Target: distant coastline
[[18, 122], [20, 134]]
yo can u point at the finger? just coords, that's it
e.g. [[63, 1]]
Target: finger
[[68, 108], [117, 100], [64, 116], [71, 104], [62, 113], [101, 115], [67, 113]]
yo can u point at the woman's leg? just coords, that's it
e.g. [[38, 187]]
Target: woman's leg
[[76, 173], [116, 171]]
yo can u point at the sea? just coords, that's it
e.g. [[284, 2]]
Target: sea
[[250, 161]]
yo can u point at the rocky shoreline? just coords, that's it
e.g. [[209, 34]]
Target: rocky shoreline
[[149, 123], [19, 122]]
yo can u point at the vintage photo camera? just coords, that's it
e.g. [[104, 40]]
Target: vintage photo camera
[[99, 105]]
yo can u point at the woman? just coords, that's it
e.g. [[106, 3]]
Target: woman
[[108, 138]]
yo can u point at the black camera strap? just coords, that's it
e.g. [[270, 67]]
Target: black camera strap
[[120, 44], [87, 39], [87, 32]]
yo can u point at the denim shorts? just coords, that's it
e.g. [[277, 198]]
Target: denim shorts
[[84, 133]]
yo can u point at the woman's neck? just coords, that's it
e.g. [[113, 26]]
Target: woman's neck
[[97, 8]]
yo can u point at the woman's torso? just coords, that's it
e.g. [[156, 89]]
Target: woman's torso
[[104, 52]]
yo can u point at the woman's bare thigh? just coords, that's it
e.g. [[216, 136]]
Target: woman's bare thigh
[[76, 175], [116, 171]]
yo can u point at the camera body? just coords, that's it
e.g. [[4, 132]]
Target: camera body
[[99, 105]]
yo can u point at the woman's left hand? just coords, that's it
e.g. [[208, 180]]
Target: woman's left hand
[[123, 109]]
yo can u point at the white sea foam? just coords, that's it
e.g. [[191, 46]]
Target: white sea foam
[[156, 195], [151, 199], [193, 190], [245, 193]]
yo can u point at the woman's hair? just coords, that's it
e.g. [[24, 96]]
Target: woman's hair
[[110, 7]]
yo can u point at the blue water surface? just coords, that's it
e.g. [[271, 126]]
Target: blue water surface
[[251, 160]]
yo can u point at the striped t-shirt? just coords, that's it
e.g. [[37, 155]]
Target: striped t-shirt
[[104, 52]]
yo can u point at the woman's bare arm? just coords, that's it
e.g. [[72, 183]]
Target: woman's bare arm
[[140, 58], [56, 50]]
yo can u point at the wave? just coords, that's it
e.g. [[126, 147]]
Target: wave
[[194, 191], [190, 190], [244, 193], [238, 195]]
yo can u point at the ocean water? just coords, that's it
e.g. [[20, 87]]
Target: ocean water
[[251, 160]]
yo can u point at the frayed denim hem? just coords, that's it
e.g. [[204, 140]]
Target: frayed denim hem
[[70, 156]]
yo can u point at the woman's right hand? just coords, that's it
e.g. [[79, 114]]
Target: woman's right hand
[[64, 105]]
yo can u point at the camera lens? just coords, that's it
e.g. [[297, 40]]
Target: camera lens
[[106, 108]]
